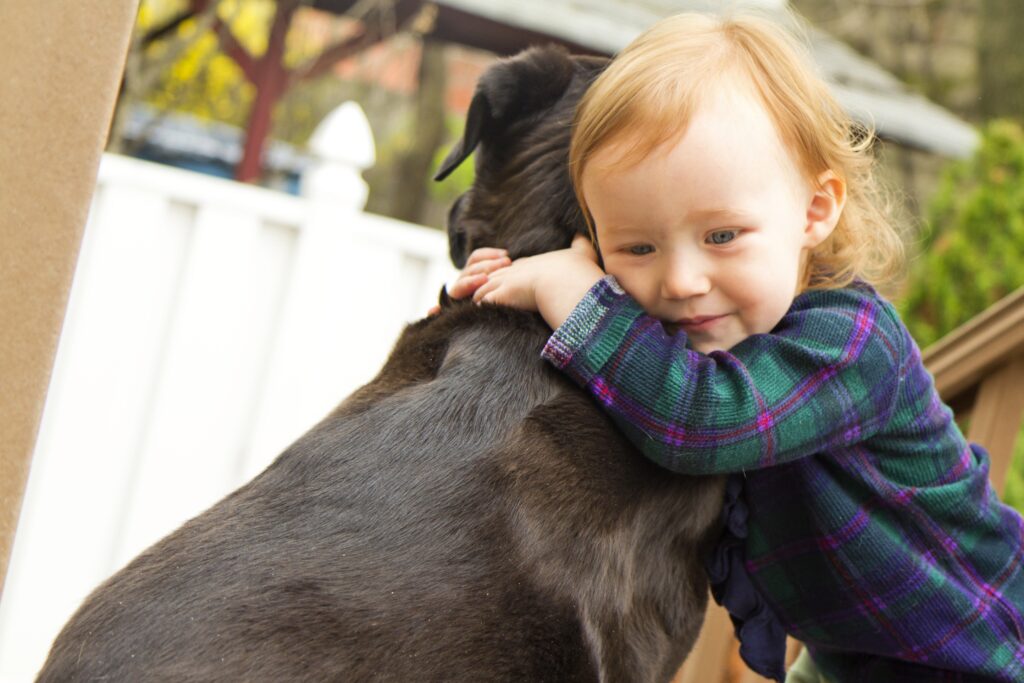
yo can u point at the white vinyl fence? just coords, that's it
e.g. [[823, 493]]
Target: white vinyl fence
[[210, 324]]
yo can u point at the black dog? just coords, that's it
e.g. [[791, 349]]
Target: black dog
[[468, 515]]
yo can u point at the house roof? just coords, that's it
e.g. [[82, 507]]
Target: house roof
[[869, 94]]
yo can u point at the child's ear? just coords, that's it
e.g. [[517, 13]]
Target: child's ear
[[825, 207]]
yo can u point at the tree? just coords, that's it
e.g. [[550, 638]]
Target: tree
[[187, 71], [178, 64], [415, 164]]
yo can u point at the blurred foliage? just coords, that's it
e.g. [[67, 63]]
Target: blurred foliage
[[205, 82], [391, 145], [973, 252], [187, 72]]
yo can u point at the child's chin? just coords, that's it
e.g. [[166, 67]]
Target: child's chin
[[704, 346]]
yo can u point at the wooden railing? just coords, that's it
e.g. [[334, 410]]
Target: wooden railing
[[979, 373]]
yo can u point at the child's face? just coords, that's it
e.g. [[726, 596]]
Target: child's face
[[709, 232]]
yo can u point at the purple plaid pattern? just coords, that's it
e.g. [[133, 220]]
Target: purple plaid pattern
[[874, 534]]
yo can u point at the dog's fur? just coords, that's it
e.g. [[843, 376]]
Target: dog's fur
[[467, 515]]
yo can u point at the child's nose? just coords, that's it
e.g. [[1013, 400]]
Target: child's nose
[[685, 279]]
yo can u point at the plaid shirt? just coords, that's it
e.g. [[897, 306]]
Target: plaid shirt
[[874, 534]]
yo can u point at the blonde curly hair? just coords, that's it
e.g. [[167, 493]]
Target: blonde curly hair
[[651, 89]]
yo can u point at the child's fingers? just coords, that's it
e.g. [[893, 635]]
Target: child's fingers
[[472, 276], [484, 254], [466, 285], [486, 266], [485, 289]]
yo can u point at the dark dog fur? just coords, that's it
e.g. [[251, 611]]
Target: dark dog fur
[[468, 515]]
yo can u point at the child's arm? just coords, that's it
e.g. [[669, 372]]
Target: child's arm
[[826, 376]]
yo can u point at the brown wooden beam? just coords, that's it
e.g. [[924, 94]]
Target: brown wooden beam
[[710, 654], [57, 95], [967, 354], [997, 416]]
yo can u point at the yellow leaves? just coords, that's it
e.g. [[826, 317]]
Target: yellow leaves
[[249, 20], [975, 254], [153, 13], [205, 82]]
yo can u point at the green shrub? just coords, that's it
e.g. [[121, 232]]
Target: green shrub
[[972, 253]]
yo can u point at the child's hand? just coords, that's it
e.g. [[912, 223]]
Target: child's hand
[[551, 283], [481, 262]]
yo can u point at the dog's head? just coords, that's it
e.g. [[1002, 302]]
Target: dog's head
[[519, 124]]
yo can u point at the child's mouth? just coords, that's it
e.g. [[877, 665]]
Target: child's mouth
[[700, 323]]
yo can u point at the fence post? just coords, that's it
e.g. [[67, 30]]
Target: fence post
[[323, 296], [343, 147]]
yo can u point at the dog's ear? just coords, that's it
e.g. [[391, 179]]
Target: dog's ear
[[479, 114], [512, 89]]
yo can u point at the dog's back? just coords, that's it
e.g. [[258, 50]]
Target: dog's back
[[467, 515], [468, 520]]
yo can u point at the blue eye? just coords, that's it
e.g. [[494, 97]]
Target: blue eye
[[641, 249], [722, 236]]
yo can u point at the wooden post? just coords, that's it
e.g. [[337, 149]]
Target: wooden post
[[997, 414], [62, 70], [710, 655]]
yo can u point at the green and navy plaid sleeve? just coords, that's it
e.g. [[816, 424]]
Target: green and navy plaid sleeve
[[888, 554], [826, 377]]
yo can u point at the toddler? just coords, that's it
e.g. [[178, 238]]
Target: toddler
[[735, 328]]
